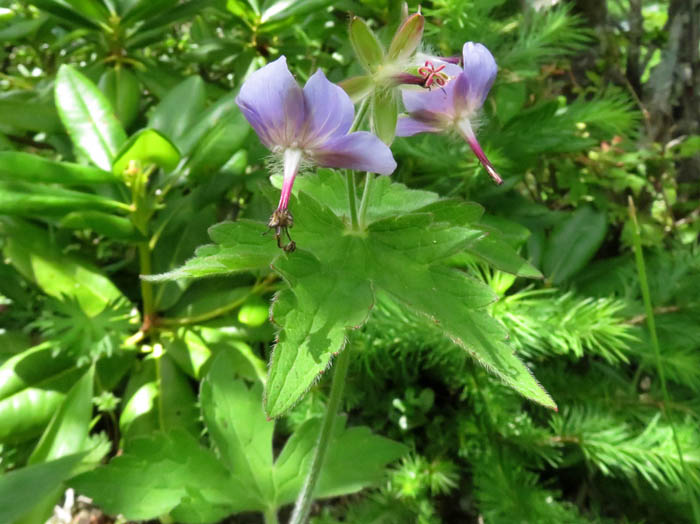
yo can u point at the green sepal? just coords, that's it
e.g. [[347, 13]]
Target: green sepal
[[367, 47]]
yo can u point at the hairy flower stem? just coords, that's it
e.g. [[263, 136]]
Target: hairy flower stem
[[302, 507], [352, 205], [369, 179]]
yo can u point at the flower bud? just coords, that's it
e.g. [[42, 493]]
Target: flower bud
[[366, 45], [407, 37]]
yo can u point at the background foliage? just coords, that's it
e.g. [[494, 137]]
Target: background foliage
[[110, 104]]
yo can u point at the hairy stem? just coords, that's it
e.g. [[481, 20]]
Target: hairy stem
[[302, 507], [352, 205], [367, 190]]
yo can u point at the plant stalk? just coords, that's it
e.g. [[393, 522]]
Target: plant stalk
[[367, 190], [651, 325], [302, 507], [352, 196]]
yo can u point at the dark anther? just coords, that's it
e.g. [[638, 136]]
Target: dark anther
[[281, 221]]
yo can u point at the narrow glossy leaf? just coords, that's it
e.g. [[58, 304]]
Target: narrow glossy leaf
[[25, 413], [93, 10], [573, 243], [21, 29], [218, 145], [25, 167], [105, 224], [322, 304], [240, 431], [146, 147], [134, 10], [88, 117], [63, 12], [385, 114], [35, 254], [123, 90], [180, 110], [366, 45], [30, 367], [136, 485], [22, 489], [29, 115], [221, 110], [282, 9], [23, 199], [68, 430], [183, 11], [407, 37]]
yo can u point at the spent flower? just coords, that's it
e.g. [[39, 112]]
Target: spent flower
[[310, 124], [456, 101]]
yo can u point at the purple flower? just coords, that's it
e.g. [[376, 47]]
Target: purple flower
[[311, 124], [456, 104]]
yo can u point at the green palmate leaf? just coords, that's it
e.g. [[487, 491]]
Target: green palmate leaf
[[123, 90], [241, 246], [17, 198], [334, 272], [324, 304], [22, 489], [35, 254], [194, 478], [68, 430], [366, 45], [573, 243], [491, 248], [24, 167], [88, 117], [146, 147], [241, 433]]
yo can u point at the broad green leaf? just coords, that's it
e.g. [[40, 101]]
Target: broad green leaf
[[35, 254], [366, 45], [385, 114], [407, 37], [573, 243], [88, 117], [356, 459], [105, 224], [24, 167], [180, 110], [22, 489], [157, 474], [146, 147], [22, 199], [239, 430], [68, 430], [123, 90]]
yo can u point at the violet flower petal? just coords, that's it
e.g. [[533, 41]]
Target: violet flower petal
[[480, 70], [329, 110], [361, 151], [437, 99], [273, 103], [408, 126]]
